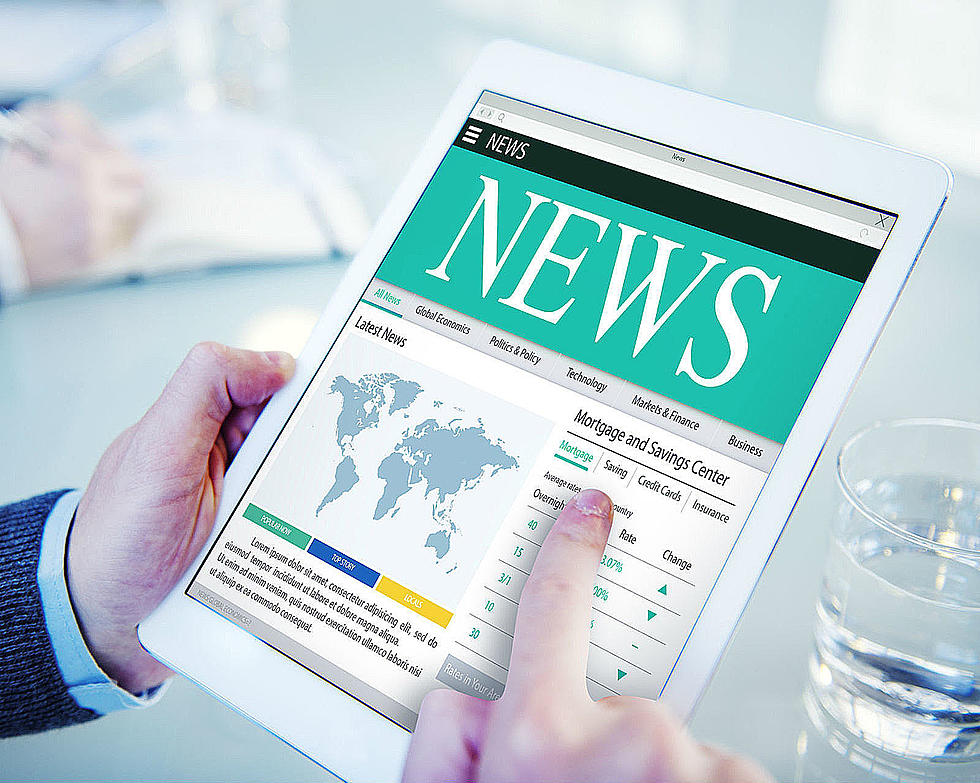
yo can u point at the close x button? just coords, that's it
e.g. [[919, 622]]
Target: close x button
[[884, 221]]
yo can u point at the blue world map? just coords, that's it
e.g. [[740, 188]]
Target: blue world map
[[442, 458]]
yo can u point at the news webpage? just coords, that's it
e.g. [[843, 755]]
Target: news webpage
[[566, 307]]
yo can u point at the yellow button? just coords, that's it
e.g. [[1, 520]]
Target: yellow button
[[414, 601]]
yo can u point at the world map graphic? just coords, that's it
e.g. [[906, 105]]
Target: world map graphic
[[442, 456]]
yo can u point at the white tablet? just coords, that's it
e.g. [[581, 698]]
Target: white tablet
[[586, 280]]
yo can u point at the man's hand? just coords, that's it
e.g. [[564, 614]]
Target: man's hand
[[76, 203], [152, 500], [546, 726]]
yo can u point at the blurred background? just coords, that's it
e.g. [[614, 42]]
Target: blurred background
[[240, 150]]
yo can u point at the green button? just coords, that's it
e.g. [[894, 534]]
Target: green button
[[275, 525]]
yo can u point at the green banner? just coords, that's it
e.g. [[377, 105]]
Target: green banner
[[273, 524], [730, 329]]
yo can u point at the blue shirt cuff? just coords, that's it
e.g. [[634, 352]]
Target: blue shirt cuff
[[87, 683]]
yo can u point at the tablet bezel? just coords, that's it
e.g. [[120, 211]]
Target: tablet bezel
[[349, 738]]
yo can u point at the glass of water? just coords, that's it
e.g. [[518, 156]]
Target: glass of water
[[897, 651]]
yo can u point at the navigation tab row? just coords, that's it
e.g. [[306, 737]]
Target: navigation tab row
[[667, 414]]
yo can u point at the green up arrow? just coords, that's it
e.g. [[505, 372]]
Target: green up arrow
[[650, 615], [620, 674], [663, 590]]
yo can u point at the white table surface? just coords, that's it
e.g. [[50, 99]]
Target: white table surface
[[80, 365]]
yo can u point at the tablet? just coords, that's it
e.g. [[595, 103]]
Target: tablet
[[587, 280]]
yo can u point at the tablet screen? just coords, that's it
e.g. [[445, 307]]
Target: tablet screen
[[567, 306]]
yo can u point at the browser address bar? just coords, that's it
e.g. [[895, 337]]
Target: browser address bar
[[695, 180]]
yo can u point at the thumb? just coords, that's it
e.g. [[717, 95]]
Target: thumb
[[211, 381]]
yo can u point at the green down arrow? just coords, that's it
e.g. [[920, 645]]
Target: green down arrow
[[663, 590], [650, 615], [620, 674]]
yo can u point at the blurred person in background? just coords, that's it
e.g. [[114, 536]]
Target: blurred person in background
[[69, 197]]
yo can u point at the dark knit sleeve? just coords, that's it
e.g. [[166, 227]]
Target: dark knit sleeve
[[33, 695]]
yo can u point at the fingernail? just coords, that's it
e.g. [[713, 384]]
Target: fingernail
[[281, 359], [593, 503]]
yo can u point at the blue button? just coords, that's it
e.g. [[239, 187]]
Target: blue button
[[344, 563]]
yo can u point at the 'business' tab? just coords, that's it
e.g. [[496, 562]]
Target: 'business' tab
[[747, 447]]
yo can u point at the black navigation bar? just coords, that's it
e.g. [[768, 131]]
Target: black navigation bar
[[801, 243]]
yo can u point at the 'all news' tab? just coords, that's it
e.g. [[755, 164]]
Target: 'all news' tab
[[386, 298]]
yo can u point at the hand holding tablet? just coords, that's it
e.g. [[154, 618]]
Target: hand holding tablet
[[151, 503], [546, 726], [159, 483]]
